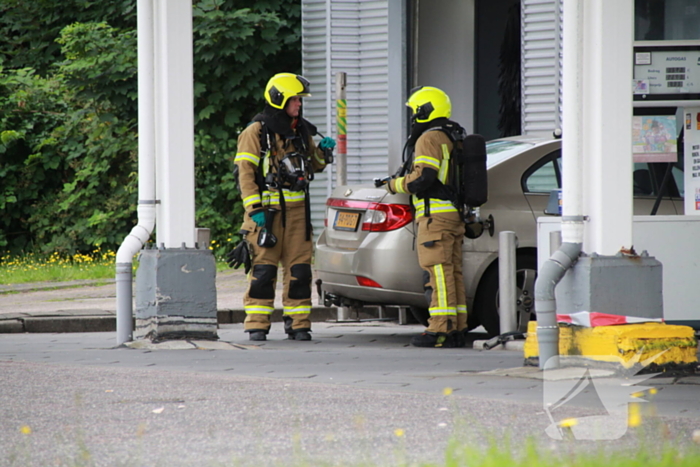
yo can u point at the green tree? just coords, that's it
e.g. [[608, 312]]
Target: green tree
[[68, 145], [30, 27], [68, 133]]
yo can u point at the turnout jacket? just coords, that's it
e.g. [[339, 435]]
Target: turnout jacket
[[429, 175], [252, 163]]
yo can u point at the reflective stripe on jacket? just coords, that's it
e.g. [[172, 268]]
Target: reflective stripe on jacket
[[432, 154], [248, 159]]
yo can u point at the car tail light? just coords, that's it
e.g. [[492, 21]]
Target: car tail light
[[385, 217], [380, 217], [365, 282]]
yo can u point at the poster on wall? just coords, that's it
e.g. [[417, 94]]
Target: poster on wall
[[692, 160], [654, 139]]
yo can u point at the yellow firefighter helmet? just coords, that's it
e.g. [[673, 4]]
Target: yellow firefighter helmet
[[282, 86]]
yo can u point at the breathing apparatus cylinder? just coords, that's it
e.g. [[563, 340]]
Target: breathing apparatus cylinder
[[475, 178]]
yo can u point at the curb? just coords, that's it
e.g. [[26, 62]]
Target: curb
[[37, 286], [106, 321]]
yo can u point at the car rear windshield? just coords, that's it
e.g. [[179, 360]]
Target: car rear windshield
[[499, 151]]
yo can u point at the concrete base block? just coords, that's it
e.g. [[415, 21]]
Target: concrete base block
[[176, 295], [619, 285], [655, 346]]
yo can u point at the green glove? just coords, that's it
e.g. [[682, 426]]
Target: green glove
[[327, 143], [259, 218]]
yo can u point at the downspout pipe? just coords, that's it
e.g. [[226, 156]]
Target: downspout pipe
[[572, 223], [146, 210], [548, 277]]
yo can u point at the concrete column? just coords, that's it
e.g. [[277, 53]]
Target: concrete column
[[607, 124], [396, 86], [176, 283], [174, 123]]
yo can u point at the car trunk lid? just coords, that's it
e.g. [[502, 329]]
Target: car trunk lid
[[354, 212]]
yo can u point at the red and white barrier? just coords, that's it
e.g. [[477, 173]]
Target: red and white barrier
[[591, 319]]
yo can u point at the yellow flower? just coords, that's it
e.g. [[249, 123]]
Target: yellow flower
[[447, 391], [634, 417], [568, 422], [25, 430], [399, 432]]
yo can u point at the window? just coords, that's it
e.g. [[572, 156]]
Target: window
[[666, 20], [544, 176], [678, 176]]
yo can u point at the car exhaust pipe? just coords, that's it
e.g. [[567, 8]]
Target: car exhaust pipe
[[329, 299]]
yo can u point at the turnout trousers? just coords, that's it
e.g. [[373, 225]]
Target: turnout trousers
[[440, 238], [293, 252]]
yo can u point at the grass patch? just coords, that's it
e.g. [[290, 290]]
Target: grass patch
[[60, 268], [495, 455], [55, 267]]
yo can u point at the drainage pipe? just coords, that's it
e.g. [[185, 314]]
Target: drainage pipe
[[545, 302], [146, 210], [572, 188]]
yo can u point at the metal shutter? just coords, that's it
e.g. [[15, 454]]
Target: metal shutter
[[359, 45], [541, 66]]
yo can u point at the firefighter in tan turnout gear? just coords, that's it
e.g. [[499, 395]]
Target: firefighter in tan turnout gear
[[275, 161], [440, 226]]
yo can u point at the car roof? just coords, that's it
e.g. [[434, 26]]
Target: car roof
[[532, 139], [505, 149]]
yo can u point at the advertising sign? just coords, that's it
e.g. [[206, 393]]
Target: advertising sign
[[654, 139], [692, 160]]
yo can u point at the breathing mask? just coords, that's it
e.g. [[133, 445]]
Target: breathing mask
[[292, 172]]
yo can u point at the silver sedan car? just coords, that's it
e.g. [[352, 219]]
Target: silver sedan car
[[366, 254]]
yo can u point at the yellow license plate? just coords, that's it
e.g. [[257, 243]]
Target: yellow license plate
[[346, 221]]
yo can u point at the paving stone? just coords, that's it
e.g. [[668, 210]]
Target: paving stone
[[689, 380], [145, 344], [214, 345]]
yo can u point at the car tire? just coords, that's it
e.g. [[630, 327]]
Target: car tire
[[486, 301], [421, 315]]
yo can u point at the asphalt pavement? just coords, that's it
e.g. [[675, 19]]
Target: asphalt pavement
[[357, 394]]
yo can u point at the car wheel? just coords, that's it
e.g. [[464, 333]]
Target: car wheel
[[421, 315], [486, 302]]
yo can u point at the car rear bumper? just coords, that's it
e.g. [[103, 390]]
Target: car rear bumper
[[379, 258], [337, 284]]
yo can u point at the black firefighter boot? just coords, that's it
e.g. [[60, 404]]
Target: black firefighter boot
[[295, 334], [431, 339], [459, 338], [257, 335]]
